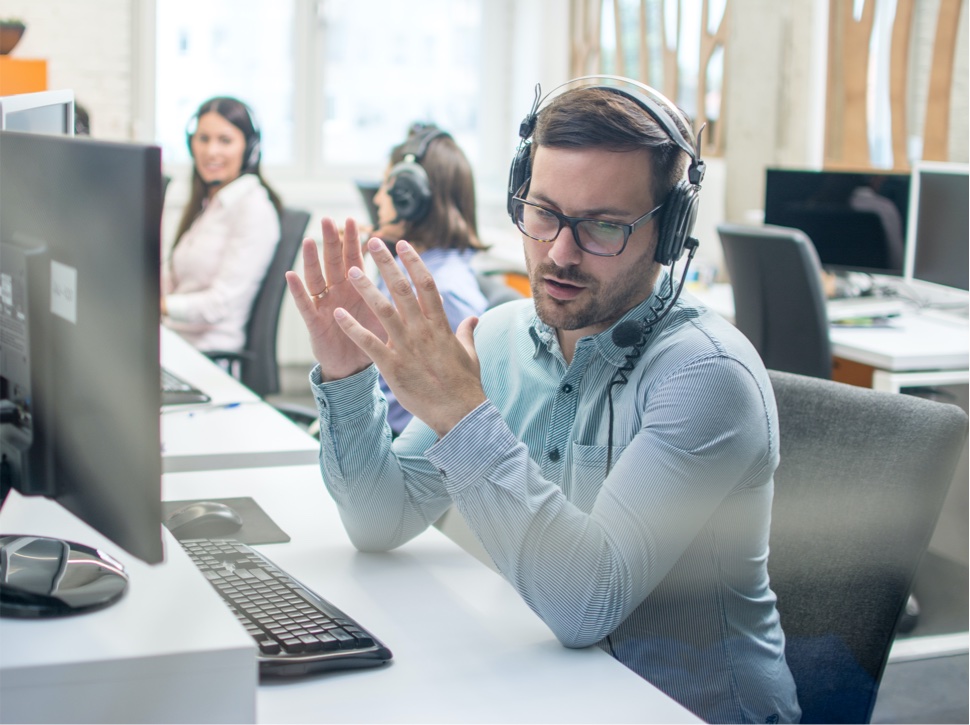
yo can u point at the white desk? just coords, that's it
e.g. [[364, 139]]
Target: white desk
[[248, 435], [235, 430], [466, 647], [165, 652], [186, 362], [919, 350]]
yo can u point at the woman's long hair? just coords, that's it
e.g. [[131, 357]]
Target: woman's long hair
[[451, 223]]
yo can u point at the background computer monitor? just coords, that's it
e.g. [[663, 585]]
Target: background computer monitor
[[938, 234], [857, 221], [44, 112], [79, 364], [367, 189]]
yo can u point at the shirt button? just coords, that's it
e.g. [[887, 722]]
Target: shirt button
[[554, 455], [441, 472], [567, 388]]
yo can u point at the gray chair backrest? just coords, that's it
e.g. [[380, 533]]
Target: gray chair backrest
[[861, 482], [495, 290], [260, 371], [779, 303]]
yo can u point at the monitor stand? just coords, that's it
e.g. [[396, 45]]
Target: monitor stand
[[46, 577]]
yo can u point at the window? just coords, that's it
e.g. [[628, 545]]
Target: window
[[334, 84], [240, 48]]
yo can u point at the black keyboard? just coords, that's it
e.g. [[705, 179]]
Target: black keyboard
[[296, 630], [176, 391]]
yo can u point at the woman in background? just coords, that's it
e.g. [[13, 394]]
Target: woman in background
[[228, 233], [428, 198]]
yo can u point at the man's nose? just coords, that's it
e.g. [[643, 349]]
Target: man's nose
[[565, 252]]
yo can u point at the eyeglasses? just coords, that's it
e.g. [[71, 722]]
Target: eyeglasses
[[602, 238]]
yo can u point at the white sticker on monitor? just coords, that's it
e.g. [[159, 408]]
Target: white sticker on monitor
[[64, 291]]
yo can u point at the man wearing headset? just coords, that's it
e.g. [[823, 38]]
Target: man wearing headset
[[610, 445]]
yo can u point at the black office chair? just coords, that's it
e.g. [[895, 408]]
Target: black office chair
[[779, 303], [256, 365], [862, 479]]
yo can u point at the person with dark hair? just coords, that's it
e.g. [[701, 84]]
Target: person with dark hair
[[428, 198], [228, 232], [82, 120], [610, 443]]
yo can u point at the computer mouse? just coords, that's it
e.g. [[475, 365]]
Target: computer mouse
[[204, 520]]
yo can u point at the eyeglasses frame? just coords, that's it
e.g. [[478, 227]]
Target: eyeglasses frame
[[572, 221]]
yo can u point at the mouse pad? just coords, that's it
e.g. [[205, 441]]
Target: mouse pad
[[257, 528]]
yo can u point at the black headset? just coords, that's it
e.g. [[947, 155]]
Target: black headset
[[252, 152], [410, 187], [680, 207]]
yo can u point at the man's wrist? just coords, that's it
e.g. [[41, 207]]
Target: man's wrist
[[455, 414]]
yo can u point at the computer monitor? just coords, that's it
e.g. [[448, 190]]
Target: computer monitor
[[43, 112], [938, 229], [79, 365], [856, 220], [367, 189]]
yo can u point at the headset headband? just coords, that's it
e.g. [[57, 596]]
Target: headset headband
[[657, 105], [424, 134]]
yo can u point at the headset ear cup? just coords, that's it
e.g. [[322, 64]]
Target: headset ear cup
[[519, 172], [680, 212], [252, 153], [410, 191]]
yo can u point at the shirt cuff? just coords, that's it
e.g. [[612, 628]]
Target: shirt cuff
[[479, 441], [177, 308], [345, 398]]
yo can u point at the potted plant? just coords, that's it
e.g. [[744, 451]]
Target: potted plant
[[11, 30]]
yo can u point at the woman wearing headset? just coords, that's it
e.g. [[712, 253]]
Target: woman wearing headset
[[227, 235], [428, 198]]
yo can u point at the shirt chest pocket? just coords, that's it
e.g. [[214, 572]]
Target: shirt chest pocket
[[587, 471]]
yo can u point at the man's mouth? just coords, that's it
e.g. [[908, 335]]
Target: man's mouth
[[560, 290]]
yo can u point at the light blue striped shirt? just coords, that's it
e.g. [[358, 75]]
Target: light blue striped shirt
[[663, 563]]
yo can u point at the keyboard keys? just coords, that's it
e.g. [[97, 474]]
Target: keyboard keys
[[295, 630]]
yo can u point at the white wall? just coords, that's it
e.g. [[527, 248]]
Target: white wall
[[88, 48]]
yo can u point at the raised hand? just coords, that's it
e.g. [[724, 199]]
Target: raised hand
[[326, 288], [433, 372]]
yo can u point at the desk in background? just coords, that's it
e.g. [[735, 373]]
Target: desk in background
[[919, 350], [235, 430]]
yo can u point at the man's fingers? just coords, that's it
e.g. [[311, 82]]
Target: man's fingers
[[353, 257], [382, 307], [333, 253], [396, 281], [366, 340], [428, 297], [312, 271]]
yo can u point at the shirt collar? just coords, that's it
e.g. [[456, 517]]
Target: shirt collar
[[545, 336], [235, 189]]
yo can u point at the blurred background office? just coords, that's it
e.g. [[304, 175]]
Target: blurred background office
[[871, 85], [335, 89]]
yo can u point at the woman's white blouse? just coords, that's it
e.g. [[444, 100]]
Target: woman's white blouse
[[214, 272]]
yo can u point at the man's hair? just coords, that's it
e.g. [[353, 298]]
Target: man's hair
[[597, 117], [451, 222]]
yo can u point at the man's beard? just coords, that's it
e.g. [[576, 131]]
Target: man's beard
[[601, 306]]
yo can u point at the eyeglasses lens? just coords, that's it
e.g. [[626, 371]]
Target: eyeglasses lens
[[594, 236]]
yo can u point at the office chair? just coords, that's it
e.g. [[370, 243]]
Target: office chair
[[779, 303], [495, 289], [256, 366], [861, 482]]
